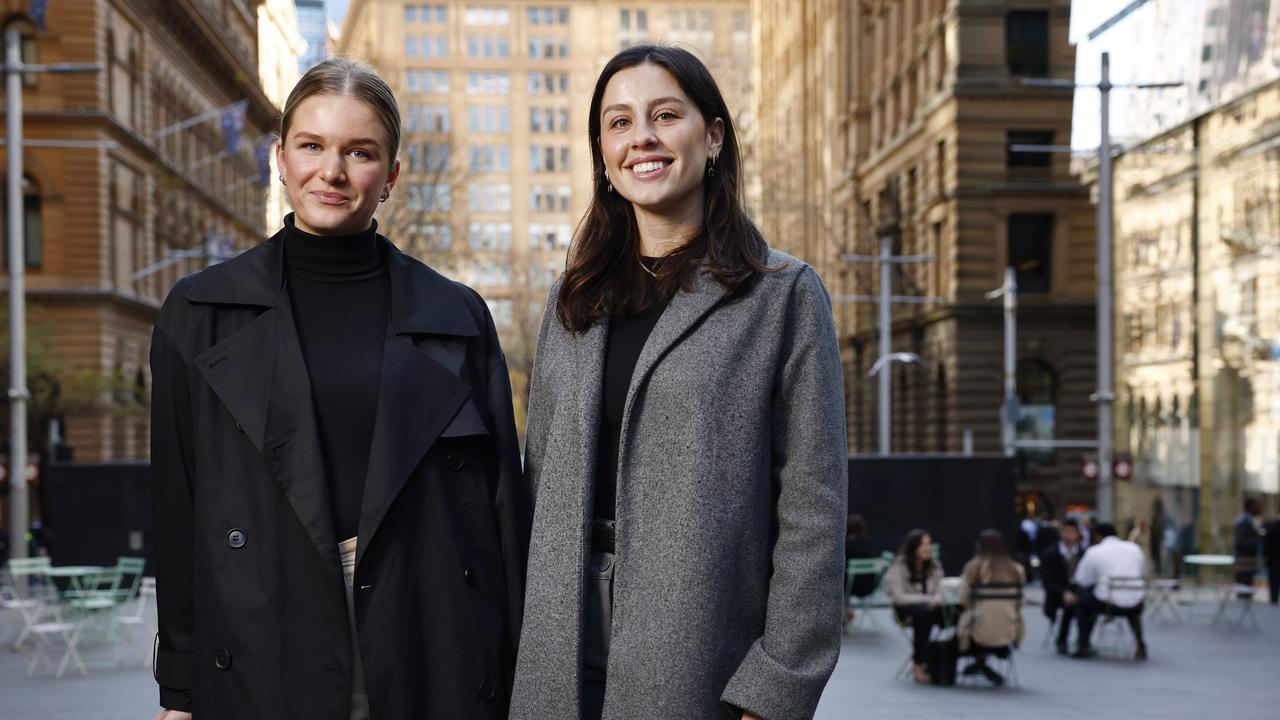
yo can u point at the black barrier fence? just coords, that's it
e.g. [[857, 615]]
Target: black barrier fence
[[953, 497], [94, 514]]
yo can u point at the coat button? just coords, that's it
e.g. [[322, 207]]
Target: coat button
[[455, 461], [236, 538], [469, 575], [239, 428], [485, 690], [222, 659]]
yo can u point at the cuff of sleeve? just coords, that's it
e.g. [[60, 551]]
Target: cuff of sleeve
[[171, 699], [173, 670], [765, 687]]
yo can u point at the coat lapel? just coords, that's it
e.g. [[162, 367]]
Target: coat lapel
[[260, 376], [420, 390], [682, 313]]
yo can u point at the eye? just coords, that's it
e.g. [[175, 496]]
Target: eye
[[310, 146], [619, 122], [362, 154], [667, 115]]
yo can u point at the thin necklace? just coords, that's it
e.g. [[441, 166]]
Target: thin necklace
[[652, 274]]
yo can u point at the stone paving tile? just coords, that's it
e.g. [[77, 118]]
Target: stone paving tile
[[1195, 671]]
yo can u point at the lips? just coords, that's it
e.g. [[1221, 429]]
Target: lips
[[649, 167], [328, 198]]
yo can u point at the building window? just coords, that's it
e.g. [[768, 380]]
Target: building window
[[427, 238], [489, 197], [548, 158], [1031, 250], [548, 120], [489, 158], [548, 48], [692, 27], [33, 226], [428, 157], [548, 83], [487, 15], [124, 71], [488, 46], [428, 81], [490, 236], [489, 119], [489, 83], [1026, 39], [427, 118], [548, 16], [550, 198], [1037, 408], [940, 166], [430, 197], [633, 27], [1028, 158], [549, 236]]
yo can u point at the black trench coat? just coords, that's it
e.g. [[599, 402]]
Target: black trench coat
[[253, 618]]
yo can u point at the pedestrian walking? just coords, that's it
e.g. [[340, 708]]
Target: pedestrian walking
[[341, 520], [686, 434]]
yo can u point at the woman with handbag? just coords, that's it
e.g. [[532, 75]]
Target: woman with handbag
[[340, 515], [686, 435]]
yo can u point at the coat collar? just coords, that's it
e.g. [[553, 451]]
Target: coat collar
[[422, 300]]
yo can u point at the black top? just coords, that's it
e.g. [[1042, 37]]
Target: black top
[[627, 335], [341, 299]]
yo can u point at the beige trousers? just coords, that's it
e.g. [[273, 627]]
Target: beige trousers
[[359, 699]]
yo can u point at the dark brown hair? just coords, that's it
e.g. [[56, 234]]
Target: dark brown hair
[[340, 76], [991, 545], [910, 544], [604, 273]]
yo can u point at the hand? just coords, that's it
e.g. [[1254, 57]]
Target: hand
[[173, 715], [1069, 598], [749, 716]]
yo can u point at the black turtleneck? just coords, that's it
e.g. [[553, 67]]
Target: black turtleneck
[[627, 336], [341, 299]]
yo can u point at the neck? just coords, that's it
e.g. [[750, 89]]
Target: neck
[[663, 232]]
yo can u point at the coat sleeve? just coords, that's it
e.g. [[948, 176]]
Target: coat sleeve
[[541, 397], [172, 492], [786, 669], [512, 504]]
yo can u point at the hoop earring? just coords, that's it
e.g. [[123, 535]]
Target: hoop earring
[[711, 166], [607, 182], [282, 182]]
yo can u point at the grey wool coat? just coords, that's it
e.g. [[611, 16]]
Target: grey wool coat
[[732, 496]]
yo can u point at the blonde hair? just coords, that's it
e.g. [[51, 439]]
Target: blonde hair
[[340, 76]]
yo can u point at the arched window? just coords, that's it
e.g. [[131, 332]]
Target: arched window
[[32, 228], [1038, 411], [27, 31]]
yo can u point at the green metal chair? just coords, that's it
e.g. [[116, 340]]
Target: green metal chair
[[863, 567], [30, 593]]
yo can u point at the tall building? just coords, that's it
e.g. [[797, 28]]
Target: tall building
[[131, 182], [495, 165], [279, 47], [313, 27], [909, 119], [1197, 264]]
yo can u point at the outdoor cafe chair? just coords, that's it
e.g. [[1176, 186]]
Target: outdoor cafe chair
[[1123, 641], [994, 592], [29, 593], [67, 631], [1162, 599], [862, 605], [137, 618]]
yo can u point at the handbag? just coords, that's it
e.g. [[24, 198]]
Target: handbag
[[940, 658]]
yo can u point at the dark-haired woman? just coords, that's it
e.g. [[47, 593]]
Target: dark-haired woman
[[686, 435], [341, 520], [913, 581]]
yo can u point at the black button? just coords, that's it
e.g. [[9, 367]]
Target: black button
[[469, 575], [222, 659], [455, 461], [485, 690], [239, 428], [236, 538]]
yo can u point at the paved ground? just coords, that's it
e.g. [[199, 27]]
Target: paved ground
[[1195, 671]]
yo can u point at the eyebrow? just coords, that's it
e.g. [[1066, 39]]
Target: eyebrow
[[659, 101], [354, 141]]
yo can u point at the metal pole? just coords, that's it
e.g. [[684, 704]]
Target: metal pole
[[17, 302], [1010, 358], [1106, 393], [886, 340]]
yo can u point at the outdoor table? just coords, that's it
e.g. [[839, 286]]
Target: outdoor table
[[1215, 563], [73, 574]]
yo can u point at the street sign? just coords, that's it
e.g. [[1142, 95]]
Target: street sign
[[1122, 466], [1090, 468]]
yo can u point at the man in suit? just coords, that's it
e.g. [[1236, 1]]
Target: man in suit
[[1057, 565], [1271, 550]]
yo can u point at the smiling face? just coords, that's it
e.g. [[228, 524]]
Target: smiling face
[[655, 143], [925, 550], [336, 163]]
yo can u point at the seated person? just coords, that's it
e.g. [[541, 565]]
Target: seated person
[[989, 626], [857, 546], [1091, 589], [912, 580], [1057, 564]]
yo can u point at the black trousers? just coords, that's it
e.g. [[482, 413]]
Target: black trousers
[[598, 621], [1273, 582], [922, 619], [1090, 608], [1066, 614]]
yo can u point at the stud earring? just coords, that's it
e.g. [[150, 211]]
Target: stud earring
[[385, 194]]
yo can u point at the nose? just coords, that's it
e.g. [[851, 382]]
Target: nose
[[332, 168], [642, 135]]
